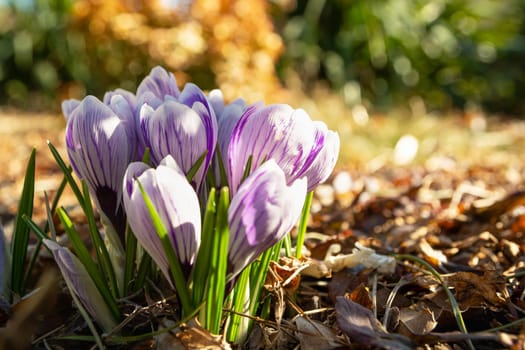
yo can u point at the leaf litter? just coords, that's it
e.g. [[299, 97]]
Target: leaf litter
[[460, 219]]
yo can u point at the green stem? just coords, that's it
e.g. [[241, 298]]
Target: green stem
[[301, 231]]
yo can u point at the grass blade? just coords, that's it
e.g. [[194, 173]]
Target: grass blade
[[130, 262], [218, 265], [301, 231], [67, 174], [98, 243], [21, 230], [202, 262]]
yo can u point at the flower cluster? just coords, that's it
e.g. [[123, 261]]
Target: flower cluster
[[268, 156]]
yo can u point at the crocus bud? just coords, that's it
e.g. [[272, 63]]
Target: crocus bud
[[78, 279], [262, 211], [177, 205], [300, 146], [100, 143]]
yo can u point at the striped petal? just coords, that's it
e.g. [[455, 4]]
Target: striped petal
[[262, 211], [77, 277], [284, 134], [177, 205], [100, 144], [159, 83], [177, 130]]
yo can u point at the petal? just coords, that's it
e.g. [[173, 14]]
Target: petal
[[193, 97], [262, 211], [128, 96], [177, 205], [80, 282], [273, 132], [160, 83], [322, 165], [177, 130], [99, 144], [68, 106], [286, 135]]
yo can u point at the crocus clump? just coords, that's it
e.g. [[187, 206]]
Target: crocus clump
[[269, 157]]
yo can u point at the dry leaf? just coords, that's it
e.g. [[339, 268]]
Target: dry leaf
[[360, 255], [418, 318], [190, 337], [472, 290], [313, 335], [361, 327]]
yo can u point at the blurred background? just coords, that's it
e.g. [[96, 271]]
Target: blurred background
[[375, 54]]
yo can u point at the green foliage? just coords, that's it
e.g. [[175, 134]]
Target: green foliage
[[20, 240], [34, 50], [448, 52], [44, 57]]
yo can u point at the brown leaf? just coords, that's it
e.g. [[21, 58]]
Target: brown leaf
[[361, 296], [28, 312], [418, 318], [190, 337], [500, 207], [479, 291], [361, 327], [314, 335]]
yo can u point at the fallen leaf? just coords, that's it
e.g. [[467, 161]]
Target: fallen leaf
[[361, 327], [360, 255], [418, 318], [190, 336], [472, 290], [313, 335]]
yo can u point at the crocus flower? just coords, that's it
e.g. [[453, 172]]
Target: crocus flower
[[300, 146], [180, 124], [262, 211], [78, 279], [177, 205], [101, 142]]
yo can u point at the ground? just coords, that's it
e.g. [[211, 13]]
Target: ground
[[451, 216]]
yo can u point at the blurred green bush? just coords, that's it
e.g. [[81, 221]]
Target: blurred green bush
[[56, 49], [449, 52], [380, 52]]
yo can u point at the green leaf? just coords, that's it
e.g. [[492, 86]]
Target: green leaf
[[195, 167], [130, 262], [67, 173], [236, 329], [218, 265], [201, 270], [21, 230], [98, 243], [301, 231]]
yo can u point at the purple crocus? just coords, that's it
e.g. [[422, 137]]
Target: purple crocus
[[177, 205], [262, 211], [300, 146], [78, 279], [180, 124], [101, 142]]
